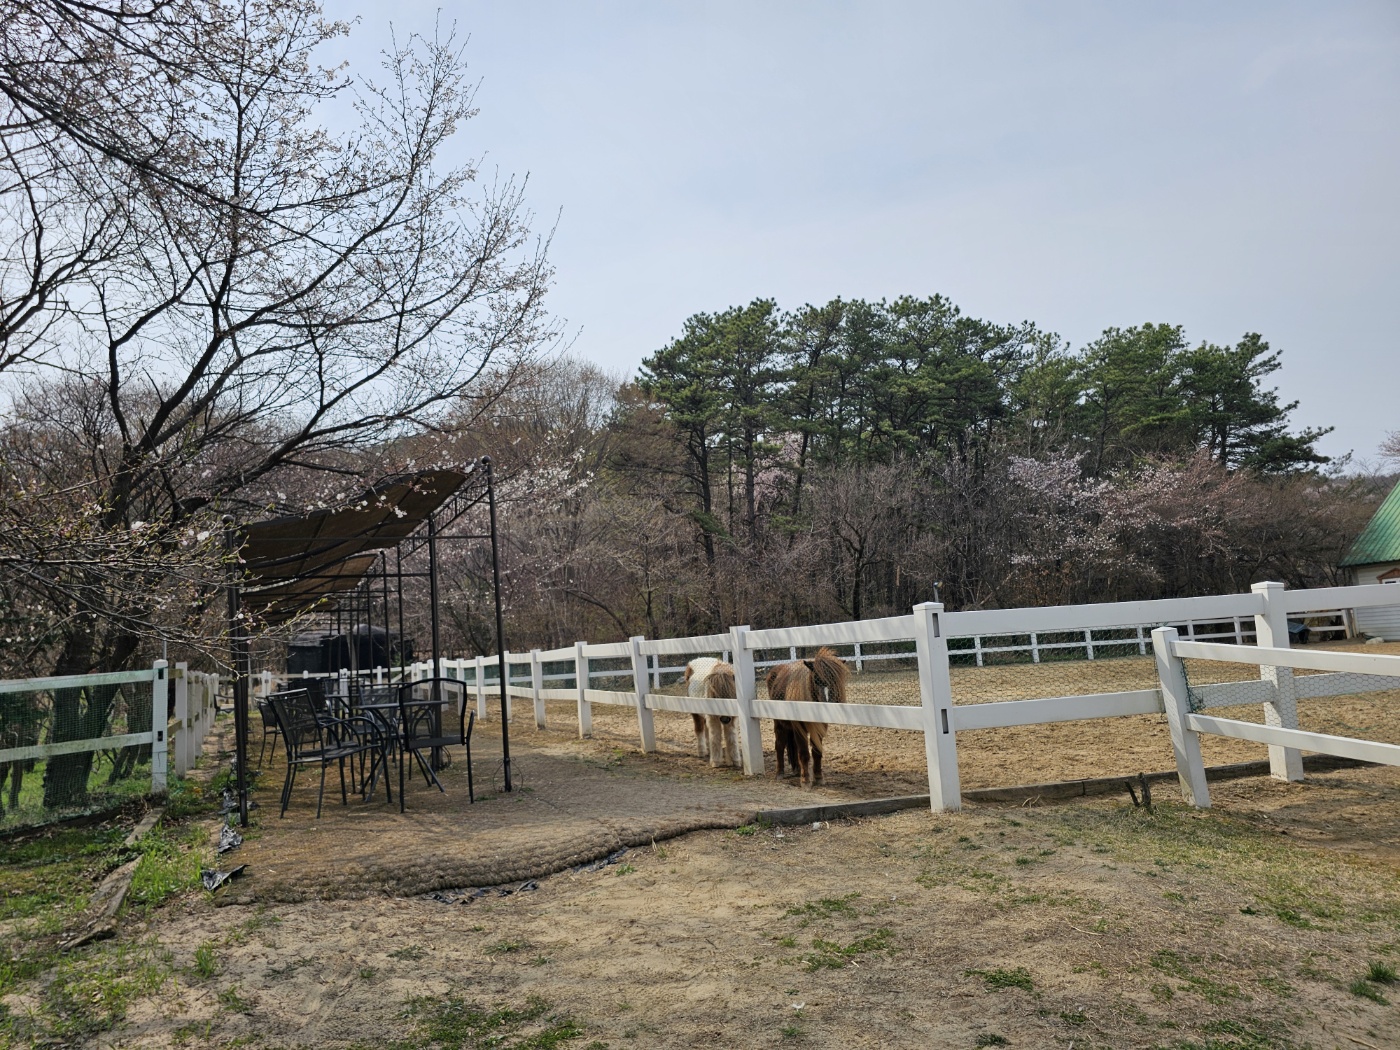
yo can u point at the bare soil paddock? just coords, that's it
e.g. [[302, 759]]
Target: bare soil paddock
[[875, 763], [1088, 925]]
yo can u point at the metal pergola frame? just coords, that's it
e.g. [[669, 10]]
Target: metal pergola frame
[[287, 567]]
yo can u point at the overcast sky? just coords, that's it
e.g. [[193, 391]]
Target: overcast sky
[[1230, 167]]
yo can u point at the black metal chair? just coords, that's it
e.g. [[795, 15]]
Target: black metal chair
[[271, 730], [427, 723], [312, 738]]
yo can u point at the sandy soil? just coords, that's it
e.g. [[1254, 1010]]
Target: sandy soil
[[1090, 924], [1128, 930]]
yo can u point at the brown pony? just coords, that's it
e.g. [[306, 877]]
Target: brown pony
[[715, 735], [821, 679]]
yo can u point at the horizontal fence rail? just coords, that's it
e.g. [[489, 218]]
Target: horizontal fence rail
[[925, 650]]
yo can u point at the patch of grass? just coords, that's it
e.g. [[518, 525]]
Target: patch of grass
[[455, 1024], [1074, 1017], [412, 953], [1019, 977], [90, 993], [1209, 989], [232, 1000], [746, 830], [206, 963], [506, 947], [367, 973], [1381, 973], [830, 955], [169, 865], [790, 1031], [1362, 989], [991, 1039], [824, 908], [625, 869]]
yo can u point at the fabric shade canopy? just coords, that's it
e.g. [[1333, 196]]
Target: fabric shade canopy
[[293, 563]]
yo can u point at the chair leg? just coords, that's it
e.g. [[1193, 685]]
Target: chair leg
[[471, 791], [287, 786], [343, 799], [321, 796]]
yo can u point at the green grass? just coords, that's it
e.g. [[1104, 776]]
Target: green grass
[[991, 1039], [206, 963], [1190, 971], [1019, 977], [90, 993], [831, 955], [170, 863], [454, 1023], [1362, 989], [1381, 973]]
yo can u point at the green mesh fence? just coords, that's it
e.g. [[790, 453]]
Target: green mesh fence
[[35, 791], [1361, 706], [558, 674], [611, 673], [880, 672]]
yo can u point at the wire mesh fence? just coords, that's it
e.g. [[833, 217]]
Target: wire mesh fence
[[42, 789], [1350, 704]]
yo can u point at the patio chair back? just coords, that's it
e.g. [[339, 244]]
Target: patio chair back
[[433, 727]]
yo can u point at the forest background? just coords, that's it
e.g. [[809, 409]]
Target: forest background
[[848, 460], [212, 304]]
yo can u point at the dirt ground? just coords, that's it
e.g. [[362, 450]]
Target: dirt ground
[[1087, 925], [1078, 925]]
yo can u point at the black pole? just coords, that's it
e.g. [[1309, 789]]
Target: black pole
[[403, 641], [238, 653], [388, 647], [500, 622], [433, 593]]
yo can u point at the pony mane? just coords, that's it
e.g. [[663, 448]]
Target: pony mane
[[830, 671], [719, 683]]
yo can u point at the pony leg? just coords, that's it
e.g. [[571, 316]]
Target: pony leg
[[801, 755], [816, 739], [715, 732], [731, 743], [702, 744], [782, 735]]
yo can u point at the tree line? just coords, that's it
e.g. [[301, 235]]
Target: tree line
[[851, 459]]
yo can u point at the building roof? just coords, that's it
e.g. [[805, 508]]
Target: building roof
[[1380, 541]]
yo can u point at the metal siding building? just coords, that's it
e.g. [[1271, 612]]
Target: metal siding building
[[1375, 558]]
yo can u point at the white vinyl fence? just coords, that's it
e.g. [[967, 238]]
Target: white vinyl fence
[[933, 643], [181, 735]]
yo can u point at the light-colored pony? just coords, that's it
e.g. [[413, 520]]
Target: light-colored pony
[[715, 735], [820, 679]]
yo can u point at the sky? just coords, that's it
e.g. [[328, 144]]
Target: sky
[[1231, 167]]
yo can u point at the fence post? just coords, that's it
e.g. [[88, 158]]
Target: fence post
[[1176, 702], [184, 754], [481, 688], [536, 684], [1271, 632], [585, 709], [646, 725], [936, 694], [746, 691], [860, 662], [160, 718]]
